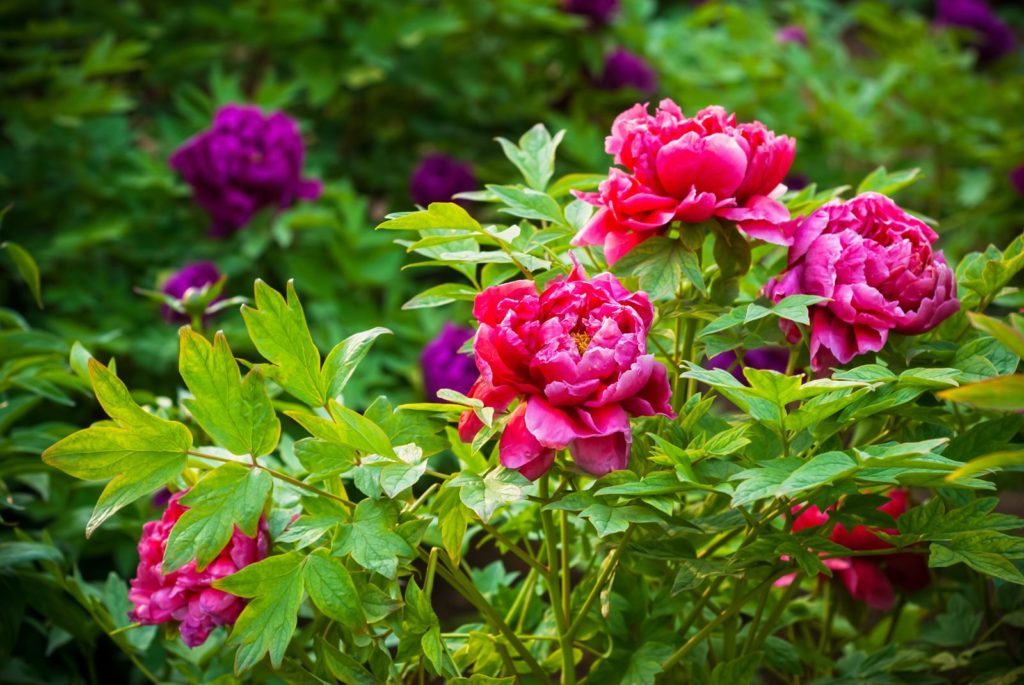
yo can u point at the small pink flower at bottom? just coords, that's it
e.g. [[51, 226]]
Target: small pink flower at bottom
[[869, 579], [185, 596]]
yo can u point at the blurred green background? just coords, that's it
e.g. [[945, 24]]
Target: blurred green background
[[95, 96]]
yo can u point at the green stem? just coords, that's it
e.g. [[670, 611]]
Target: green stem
[[606, 571], [454, 577], [704, 632], [277, 474], [518, 551], [566, 570], [773, 617], [551, 580]]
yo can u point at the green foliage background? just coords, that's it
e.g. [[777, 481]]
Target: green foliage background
[[95, 96]]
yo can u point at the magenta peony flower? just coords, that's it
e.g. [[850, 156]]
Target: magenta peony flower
[[993, 39], [196, 275], [576, 354], [766, 358], [876, 264], [244, 162], [186, 596], [624, 69], [444, 366], [869, 579], [688, 170], [599, 12], [438, 178], [793, 33], [1017, 179]]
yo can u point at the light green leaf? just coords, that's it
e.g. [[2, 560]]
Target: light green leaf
[[341, 363], [440, 295], [236, 413], [528, 204], [140, 452], [821, 469], [534, 156], [484, 495], [439, 215], [331, 588], [267, 623], [230, 495], [343, 667], [27, 269], [1005, 393], [371, 539], [348, 428], [881, 181], [278, 330]]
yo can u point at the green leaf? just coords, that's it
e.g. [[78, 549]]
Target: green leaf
[[484, 495], [341, 363], [348, 428], [27, 269], [21, 552], [821, 469], [987, 464], [528, 204], [324, 459], [439, 215], [660, 263], [970, 550], [140, 452], [267, 623], [534, 156], [230, 495], [1005, 393], [881, 181], [645, 664], [278, 330], [343, 667], [440, 295], [371, 539], [236, 413], [794, 307], [1010, 337], [396, 476], [330, 586], [453, 520]]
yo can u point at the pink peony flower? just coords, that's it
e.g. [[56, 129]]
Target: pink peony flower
[[876, 264], [689, 170], [576, 353], [869, 579], [186, 595]]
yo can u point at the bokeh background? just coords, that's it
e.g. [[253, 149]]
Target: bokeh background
[[399, 103]]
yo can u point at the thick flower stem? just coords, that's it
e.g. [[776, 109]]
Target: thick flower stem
[[553, 586]]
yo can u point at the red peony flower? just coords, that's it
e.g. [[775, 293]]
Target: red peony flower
[[576, 354]]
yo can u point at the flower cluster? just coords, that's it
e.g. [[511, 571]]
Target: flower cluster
[[992, 37], [869, 579], [246, 161], [576, 354], [688, 170], [186, 596], [876, 265]]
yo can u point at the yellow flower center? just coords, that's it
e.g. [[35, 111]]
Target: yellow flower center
[[582, 340]]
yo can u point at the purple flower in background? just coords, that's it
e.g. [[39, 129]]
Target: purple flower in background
[[246, 161], [1017, 179], [793, 33], [191, 276], [624, 69], [796, 182], [444, 366], [161, 497], [764, 358], [993, 38], [599, 12], [438, 178]]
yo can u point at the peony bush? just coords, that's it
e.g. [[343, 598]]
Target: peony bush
[[700, 428]]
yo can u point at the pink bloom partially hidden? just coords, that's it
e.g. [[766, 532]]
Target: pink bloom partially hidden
[[185, 596], [869, 579], [688, 170], [876, 264], [576, 354], [244, 162]]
